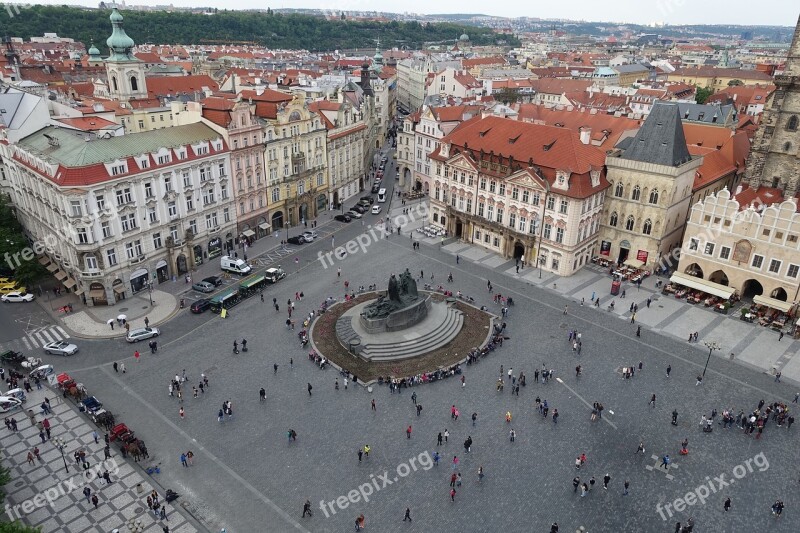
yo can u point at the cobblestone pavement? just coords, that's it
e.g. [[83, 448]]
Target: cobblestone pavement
[[249, 477], [46, 495]]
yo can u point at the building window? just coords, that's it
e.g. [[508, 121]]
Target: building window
[[693, 243], [208, 196], [619, 190], [91, 262], [111, 256], [636, 194], [559, 234], [101, 202], [172, 209], [526, 196], [647, 228], [758, 261], [276, 194], [547, 229], [105, 227], [157, 241], [83, 236], [129, 250], [502, 189], [724, 252], [480, 209], [128, 222], [613, 220], [535, 198], [75, 206], [563, 208], [792, 271], [556, 263], [189, 203], [791, 125], [709, 248], [514, 193], [774, 266], [523, 224], [551, 203], [469, 205], [654, 196], [630, 223], [492, 186], [124, 196], [187, 180], [512, 220]]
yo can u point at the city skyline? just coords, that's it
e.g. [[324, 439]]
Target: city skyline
[[676, 12]]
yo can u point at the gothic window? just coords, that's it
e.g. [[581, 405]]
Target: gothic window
[[619, 191], [647, 227], [654, 196], [637, 192], [134, 83], [792, 124], [114, 83], [630, 223], [613, 220], [787, 146]]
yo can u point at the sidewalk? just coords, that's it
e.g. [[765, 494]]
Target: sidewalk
[[44, 495], [750, 344]]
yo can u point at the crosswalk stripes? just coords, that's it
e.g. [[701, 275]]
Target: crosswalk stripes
[[36, 338]]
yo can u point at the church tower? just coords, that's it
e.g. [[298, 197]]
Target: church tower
[[125, 71], [775, 156]]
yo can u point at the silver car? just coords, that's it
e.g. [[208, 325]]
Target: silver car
[[60, 348], [204, 286], [136, 335]]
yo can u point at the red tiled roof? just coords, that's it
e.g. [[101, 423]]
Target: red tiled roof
[[159, 86], [148, 57], [267, 96], [706, 136], [549, 148], [267, 110], [479, 61], [455, 113], [714, 166], [559, 86], [713, 72], [87, 123], [758, 197], [576, 119]]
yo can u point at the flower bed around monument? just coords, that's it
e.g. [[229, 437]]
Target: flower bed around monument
[[473, 333]]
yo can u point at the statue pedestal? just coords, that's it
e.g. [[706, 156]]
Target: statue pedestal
[[398, 320]]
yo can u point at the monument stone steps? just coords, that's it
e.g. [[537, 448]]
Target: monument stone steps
[[432, 340]]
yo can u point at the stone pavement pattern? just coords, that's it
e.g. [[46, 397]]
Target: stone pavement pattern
[[120, 503]]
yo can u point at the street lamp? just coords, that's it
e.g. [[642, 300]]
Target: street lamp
[[287, 231], [60, 444], [150, 292], [711, 345]]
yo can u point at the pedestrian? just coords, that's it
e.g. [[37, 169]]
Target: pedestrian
[[665, 462], [181, 412], [652, 400], [30, 458], [640, 448], [439, 439], [262, 394], [576, 482], [373, 405], [446, 435], [474, 418], [88, 493], [780, 335], [307, 509], [407, 516], [699, 381], [122, 367], [95, 500], [116, 366], [727, 505], [512, 435], [778, 377], [453, 495], [408, 432], [566, 307], [606, 479], [638, 330], [669, 369], [626, 485], [309, 389]]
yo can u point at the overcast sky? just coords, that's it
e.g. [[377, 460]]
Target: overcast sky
[[766, 12]]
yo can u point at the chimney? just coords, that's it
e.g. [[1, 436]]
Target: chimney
[[586, 134]]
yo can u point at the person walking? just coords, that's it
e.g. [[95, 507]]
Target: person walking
[[307, 509], [309, 389], [407, 515], [669, 369], [408, 432], [181, 413], [566, 308], [453, 495], [373, 405], [652, 401], [95, 500], [606, 480], [512, 435], [665, 462], [640, 448], [626, 485], [727, 505], [576, 482]]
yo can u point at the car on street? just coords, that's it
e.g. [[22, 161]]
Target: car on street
[[200, 305], [354, 214], [214, 280], [140, 334], [376, 209], [10, 286], [17, 296], [375, 188], [203, 286], [297, 239], [370, 199], [358, 209], [310, 235], [343, 218], [60, 348]]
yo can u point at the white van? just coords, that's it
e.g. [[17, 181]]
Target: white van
[[232, 264]]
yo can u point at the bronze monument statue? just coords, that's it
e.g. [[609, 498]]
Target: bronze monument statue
[[400, 294]]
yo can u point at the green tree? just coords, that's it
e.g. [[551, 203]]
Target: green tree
[[507, 95], [735, 83], [702, 94]]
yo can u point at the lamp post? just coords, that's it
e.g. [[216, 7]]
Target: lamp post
[[60, 444], [711, 345], [150, 292], [287, 231]]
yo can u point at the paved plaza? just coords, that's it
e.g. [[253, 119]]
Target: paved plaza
[[248, 476]]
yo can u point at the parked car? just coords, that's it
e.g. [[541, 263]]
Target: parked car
[[274, 275], [136, 335], [17, 393], [10, 286], [370, 199], [203, 286], [214, 280], [42, 372], [354, 214], [375, 188], [235, 265], [17, 296], [358, 209], [297, 239], [376, 209], [9, 403], [310, 235], [60, 348], [199, 306], [343, 218]]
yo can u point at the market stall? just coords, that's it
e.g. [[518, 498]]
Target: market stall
[[698, 290]]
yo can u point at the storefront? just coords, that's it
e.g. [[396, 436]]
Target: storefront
[[198, 254], [214, 247], [119, 290], [263, 227], [138, 280], [162, 271], [97, 294]]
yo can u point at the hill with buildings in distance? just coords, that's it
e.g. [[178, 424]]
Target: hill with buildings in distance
[[267, 28]]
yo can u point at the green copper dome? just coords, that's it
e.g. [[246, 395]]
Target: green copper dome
[[119, 43], [93, 50]]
